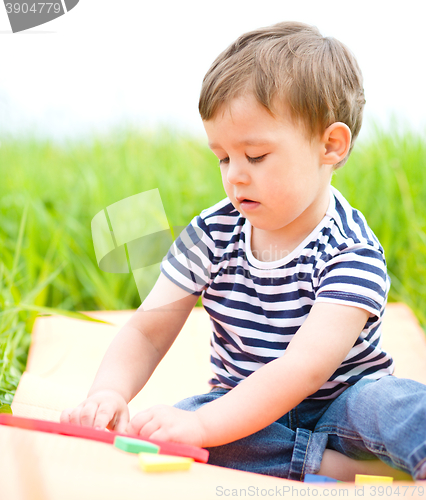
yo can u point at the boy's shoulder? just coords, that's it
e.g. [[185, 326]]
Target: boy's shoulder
[[350, 223]]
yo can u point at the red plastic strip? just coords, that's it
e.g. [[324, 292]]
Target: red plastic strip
[[166, 448]]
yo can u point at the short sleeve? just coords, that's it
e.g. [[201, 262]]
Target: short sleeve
[[356, 277], [188, 261]]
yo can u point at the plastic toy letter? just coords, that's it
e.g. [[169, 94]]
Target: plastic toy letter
[[133, 235], [25, 14]]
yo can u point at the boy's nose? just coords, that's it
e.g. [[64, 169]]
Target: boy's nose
[[236, 173]]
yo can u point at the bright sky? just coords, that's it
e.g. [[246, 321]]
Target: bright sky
[[107, 61]]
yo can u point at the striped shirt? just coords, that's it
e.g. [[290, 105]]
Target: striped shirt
[[256, 307]]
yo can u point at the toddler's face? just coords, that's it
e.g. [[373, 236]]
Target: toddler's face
[[271, 171]]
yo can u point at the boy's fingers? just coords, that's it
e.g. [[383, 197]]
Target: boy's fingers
[[74, 415], [104, 416], [65, 416], [121, 424], [143, 424], [138, 421], [88, 413], [160, 434], [94, 413]]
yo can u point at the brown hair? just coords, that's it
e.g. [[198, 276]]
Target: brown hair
[[290, 62]]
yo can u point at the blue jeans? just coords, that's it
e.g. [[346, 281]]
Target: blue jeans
[[383, 419]]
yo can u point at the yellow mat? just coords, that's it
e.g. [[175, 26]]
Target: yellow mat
[[62, 363], [65, 355]]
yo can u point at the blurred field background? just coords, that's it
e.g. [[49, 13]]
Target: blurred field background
[[49, 194]]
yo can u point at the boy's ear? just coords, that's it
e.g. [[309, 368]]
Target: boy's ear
[[337, 141]]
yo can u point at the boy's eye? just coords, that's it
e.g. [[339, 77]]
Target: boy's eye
[[255, 160], [249, 158]]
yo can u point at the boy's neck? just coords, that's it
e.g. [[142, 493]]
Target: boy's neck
[[269, 246]]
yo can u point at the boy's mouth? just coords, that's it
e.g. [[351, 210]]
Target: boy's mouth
[[247, 203], [242, 200]]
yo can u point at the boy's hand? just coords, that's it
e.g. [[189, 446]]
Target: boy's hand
[[167, 423], [103, 409]]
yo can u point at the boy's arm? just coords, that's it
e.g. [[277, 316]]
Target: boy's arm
[[132, 357], [313, 355]]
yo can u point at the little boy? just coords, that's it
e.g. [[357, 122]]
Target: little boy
[[292, 277]]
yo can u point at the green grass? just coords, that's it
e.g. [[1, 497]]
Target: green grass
[[50, 193], [386, 179]]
